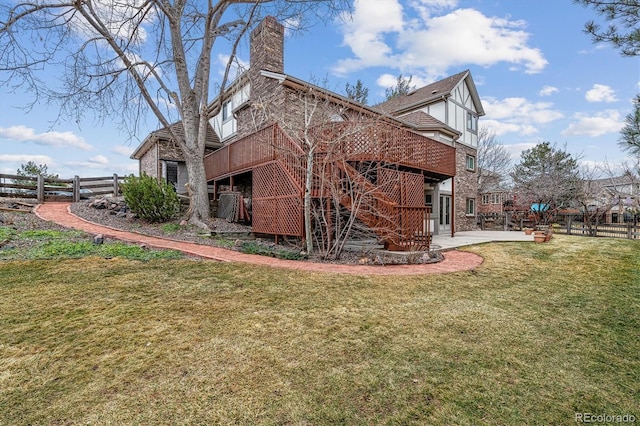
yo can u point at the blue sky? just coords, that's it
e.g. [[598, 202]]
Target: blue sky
[[539, 76]]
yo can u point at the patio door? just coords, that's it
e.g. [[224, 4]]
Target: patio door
[[445, 213]]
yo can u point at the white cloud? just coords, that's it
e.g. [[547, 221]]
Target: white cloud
[[57, 139], [518, 115], [601, 123], [380, 34], [123, 150], [501, 127], [516, 149], [600, 93], [25, 158], [548, 91], [99, 159]]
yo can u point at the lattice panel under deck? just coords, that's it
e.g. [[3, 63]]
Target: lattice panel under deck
[[278, 216], [406, 189], [277, 203]]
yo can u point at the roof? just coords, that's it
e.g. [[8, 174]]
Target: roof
[[423, 121], [431, 93], [212, 140], [417, 121]]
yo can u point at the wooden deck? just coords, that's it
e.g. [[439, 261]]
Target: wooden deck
[[395, 207]]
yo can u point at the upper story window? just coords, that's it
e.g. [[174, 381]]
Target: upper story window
[[472, 122], [470, 163], [226, 110]]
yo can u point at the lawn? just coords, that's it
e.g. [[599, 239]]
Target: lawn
[[538, 333]]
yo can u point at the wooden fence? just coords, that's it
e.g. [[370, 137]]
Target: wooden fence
[[50, 189], [629, 230], [567, 225]]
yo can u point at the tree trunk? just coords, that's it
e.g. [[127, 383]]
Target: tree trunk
[[307, 199], [199, 201]]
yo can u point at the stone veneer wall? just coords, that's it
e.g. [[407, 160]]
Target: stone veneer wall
[[169, 150], [466, 186], [149, 163]]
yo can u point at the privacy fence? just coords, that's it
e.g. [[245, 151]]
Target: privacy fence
[[50, 189]]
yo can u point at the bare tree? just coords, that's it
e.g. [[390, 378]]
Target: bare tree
[[345, 188], [494, 162], [121, 59]]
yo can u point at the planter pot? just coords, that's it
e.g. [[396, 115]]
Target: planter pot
[[539, 237], [528, 231]]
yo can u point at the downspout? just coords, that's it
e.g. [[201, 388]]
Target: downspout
[[453, 206]]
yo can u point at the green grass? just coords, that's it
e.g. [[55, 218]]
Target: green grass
[[536, 334], [57, 244]]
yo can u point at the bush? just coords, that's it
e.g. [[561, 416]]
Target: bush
[[151, 200]]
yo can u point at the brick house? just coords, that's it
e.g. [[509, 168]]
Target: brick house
[[160, 157], [422, 148]]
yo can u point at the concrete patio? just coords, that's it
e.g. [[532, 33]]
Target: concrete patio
[[466, 238]]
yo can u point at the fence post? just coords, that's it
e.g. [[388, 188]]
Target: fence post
[[116, 189], [76, 188], [629, 230], [569, 224], [40, 189]]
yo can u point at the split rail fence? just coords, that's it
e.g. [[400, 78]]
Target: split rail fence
[[50, 189]]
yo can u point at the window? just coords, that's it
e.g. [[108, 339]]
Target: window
[[472, 122], [226, 111], [486, 199], [470, 207], [471, 163]]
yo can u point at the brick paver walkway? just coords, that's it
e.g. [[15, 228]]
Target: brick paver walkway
[[59, 213]]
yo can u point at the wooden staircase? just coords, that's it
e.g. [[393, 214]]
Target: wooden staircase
[[402, 228], [278, 167]]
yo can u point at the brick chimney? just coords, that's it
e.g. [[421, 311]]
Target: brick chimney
[[267, 46]]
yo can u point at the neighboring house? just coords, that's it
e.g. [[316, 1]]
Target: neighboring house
[[421, 148], [493, 195], [160, 157], [615, 199]]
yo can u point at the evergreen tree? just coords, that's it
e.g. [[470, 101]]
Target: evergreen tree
[[630, 133], [403, 87], [359, 92], [623, 30], [546, 176], [31, 169]]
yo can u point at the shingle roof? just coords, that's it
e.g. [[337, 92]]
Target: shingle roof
[[421, 119], [212, 140], [424, 94]]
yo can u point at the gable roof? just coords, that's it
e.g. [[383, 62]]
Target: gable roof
[[212, 139], [431, 93], [418, 120]]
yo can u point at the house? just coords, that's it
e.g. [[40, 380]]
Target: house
[[447, 111], [160, 157], [405, 159], [614, 199]]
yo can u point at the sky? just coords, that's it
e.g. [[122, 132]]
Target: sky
[[539, 77]]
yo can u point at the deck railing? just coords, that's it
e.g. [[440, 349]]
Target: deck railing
[[378, 141], [268, 144]]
